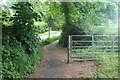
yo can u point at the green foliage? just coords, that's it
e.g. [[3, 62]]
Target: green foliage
[[41, 27], [16, 63], [54, 17], [22, 27], [85, 18], [20, 51], [107, 62], [20, 42], [69, 28], [49, 40], [11, 55]]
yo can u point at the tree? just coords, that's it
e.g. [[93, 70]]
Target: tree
[[22, 28], [20, 43], [82, 17]]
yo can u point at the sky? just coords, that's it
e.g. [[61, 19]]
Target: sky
[[2, 2]]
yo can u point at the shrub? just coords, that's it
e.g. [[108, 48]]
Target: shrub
[[20, 51], [17, 64]]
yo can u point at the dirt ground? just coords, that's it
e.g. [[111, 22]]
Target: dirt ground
[[54, 65]]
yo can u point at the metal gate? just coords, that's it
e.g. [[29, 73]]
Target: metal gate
[[86, 47]]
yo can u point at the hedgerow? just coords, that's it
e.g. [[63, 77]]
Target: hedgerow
[[20, 49]]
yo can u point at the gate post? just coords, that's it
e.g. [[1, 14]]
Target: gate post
[[68, 56], [93, 43]]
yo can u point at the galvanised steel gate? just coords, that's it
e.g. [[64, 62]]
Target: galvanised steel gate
[[86, 47]]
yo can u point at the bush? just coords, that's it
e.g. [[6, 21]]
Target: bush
[[17, 64], [11, 56], [20, 50]]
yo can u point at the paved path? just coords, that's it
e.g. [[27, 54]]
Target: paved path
[[55, 65], [52, 35]]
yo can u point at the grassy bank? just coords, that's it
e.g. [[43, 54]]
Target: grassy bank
[[49, 40], [108, 64]]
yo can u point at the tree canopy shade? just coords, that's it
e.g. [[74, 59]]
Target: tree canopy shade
[[82, 17], [51, 14]]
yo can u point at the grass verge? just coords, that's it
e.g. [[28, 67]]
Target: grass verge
[[49, 40], [108, 64]]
